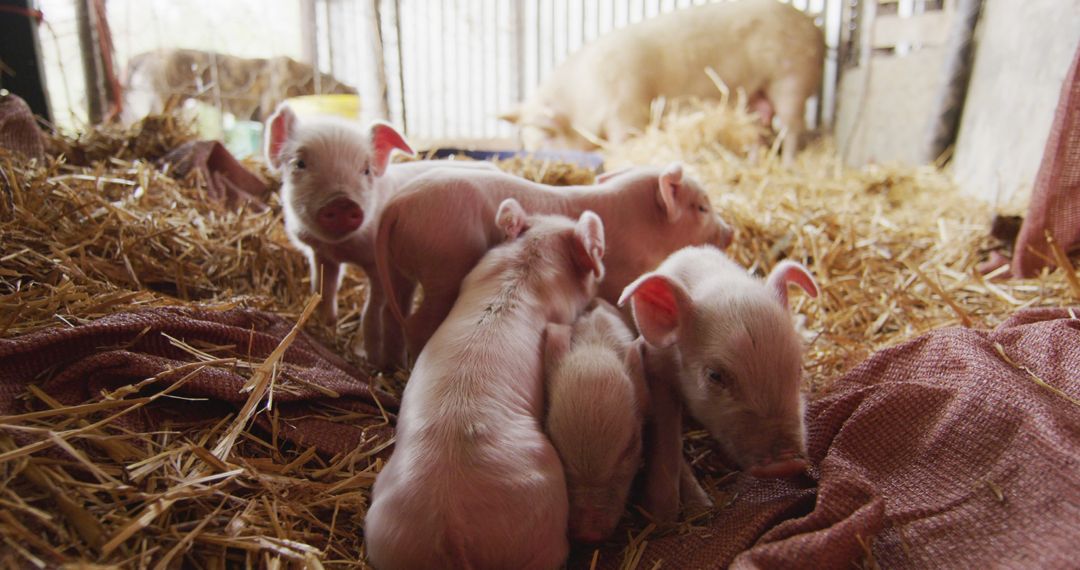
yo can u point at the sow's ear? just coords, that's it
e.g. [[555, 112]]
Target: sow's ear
[[510, 218], [384, 139], [790, 272], [280, 127], [660, 305], [670, 183], [589, 243]]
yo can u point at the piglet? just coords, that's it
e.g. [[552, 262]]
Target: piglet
[[730, 351], [436, 229], [596, 404], [336, 177], [473, 482]]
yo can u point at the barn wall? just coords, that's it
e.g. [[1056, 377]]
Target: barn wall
[[456, 64], [1023, 54], [884, 104]]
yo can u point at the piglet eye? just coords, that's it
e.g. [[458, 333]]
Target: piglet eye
[[702, 209], [300, 164], [367, 171], [718, 377]]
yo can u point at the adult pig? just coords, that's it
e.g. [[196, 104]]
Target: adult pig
[[436, 229], [730, 351], [770, 50], [336, 178], [596, 404], [473, 482]]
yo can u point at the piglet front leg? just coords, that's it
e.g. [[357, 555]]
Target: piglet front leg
[[325, 279], [370, 327], [694, 498], [429, 315], [391, 332], [664, 464]]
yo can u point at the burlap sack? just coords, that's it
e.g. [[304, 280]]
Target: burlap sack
[[958, 449], [19, 132], [1055, 200], [938, 453], [75, 364]]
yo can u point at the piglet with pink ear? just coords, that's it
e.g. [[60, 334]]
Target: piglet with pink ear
[[336, 177], [733, 356]]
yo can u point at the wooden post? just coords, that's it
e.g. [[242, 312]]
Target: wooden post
[[88, 46], [383, 108]]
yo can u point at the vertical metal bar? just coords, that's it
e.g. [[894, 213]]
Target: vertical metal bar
[[442, 68], [551, 37], [833, 15], [518, 15], [309, 40], [329, 44], [404, 115], [539, 52], [482, 102], [381, 86], [429, 77], [571, 29], [499, 58], [581, 39]]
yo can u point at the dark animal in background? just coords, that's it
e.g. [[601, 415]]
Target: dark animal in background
[[249, 88]]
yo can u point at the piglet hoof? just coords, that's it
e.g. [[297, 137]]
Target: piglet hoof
[[356, 345], [695, 504], [695, 498], [328, 314], [372, 358]]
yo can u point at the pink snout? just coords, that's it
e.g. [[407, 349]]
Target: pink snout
[[340, 217], [787, 465]]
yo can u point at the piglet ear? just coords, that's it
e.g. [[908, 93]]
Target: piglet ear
[[511, 218], [556, 345], [658, 304], [280, 127], [384, 139], [589, 243], [790, 272], [670, 184]]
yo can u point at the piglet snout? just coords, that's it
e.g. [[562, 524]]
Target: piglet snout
[[340, 217], [787, 465]]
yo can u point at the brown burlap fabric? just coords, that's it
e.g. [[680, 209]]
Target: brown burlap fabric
[[19, 131], [1055, 200], [937, 453], [75, 364]]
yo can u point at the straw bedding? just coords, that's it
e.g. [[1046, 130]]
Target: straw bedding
[[149, 465]]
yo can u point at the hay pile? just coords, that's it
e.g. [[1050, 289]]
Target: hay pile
[[893, 249]]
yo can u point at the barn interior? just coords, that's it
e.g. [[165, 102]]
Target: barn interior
[[170, 395]]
